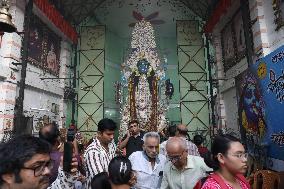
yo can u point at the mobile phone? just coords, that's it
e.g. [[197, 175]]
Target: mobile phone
[[71, 134], [67, 157]]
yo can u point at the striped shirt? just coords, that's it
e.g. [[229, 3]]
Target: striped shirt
[[192, 148], [97, 157]]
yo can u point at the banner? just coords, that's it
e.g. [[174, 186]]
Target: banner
[[270, 74]]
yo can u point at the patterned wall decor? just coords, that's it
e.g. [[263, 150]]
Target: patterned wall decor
[[270, 75], [233, 41], [193, 79], [44, 47], [91, 79]]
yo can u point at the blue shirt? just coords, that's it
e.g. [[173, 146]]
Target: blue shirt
[[147, 177]]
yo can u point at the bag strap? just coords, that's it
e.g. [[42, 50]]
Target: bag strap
[[219, 180], [243, 179]]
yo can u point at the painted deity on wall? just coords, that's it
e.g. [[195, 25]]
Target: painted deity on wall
[[251, 105]]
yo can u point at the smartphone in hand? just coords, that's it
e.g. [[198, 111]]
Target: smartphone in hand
[[67, 157], [68, 150]]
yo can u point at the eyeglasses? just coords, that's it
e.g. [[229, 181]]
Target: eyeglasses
[[241, 155], [174, 159], [38, 170]]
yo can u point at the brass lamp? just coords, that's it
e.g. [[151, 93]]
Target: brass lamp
[[6, 24]]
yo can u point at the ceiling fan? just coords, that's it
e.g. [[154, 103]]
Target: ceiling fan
[[150, 18]]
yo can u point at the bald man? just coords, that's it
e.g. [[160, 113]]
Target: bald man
[[182, 171], [182, 132]]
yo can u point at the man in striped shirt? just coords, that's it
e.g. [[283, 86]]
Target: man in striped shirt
[[99, 153]]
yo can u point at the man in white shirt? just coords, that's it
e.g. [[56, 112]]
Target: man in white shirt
[[182, 171], [148, 164]]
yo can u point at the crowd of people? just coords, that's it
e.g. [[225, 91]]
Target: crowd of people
[[140, 161]]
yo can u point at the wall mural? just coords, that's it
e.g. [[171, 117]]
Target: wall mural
[[251, 114], [270, 73], [44, 47], [251, 105]]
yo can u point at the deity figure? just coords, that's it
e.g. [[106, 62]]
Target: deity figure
[[251, 107], [141, 74]]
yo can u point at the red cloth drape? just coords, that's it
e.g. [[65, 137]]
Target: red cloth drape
[[57, 19], [220, 9]]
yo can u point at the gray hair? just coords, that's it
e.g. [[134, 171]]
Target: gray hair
[[180, 140], [151, 134]]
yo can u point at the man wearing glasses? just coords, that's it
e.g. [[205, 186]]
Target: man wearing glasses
[[25, 164], [182, 171]]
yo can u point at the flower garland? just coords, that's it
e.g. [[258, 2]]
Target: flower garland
[[143, 38], [143, 102]]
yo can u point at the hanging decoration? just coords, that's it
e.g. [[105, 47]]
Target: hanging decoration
[[141, 74], [57, 19]]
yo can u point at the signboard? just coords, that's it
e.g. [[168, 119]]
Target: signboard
[[270, 74]]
